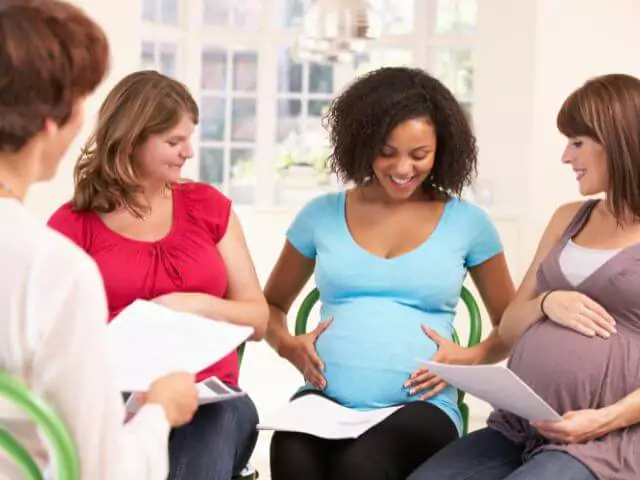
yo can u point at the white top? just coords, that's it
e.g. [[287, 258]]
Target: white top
[[577, 262], [53, 315]]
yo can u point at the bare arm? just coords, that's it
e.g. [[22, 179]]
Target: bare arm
[[624, 413], [497, 290], [525, 310], [244, 304], [288, 277], [584, 425]]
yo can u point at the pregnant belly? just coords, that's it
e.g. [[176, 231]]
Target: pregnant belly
[[371, 348], [565, 368]]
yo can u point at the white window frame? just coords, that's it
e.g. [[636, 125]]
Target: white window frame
[[267, 41]]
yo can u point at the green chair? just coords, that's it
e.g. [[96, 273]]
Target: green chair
[[62, 449], [475, 333]]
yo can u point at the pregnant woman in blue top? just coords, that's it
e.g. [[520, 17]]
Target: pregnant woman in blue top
[[390, 256]]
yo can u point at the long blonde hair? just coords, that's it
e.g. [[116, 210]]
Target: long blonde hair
[[142, 104]]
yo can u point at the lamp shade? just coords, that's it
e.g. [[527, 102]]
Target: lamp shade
[[336, 30]]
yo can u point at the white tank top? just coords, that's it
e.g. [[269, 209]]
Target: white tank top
[[577, 262]]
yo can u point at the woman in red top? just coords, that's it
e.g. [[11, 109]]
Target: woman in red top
[[176, 243]]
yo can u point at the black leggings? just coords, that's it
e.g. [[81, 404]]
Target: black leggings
[[389, 451]]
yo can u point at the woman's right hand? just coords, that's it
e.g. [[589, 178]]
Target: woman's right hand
[[300, 350], [177, 394], [578, 312]]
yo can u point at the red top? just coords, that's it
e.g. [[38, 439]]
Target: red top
[[185, 260]]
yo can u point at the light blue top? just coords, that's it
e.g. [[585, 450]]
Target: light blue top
[[378, 305]]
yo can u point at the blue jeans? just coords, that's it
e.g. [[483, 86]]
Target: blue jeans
[[488, 455], [216, 444]]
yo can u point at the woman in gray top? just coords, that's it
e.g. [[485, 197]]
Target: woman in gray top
[[575, 322]]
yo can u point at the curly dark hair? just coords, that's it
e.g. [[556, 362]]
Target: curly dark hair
[[362, 117]]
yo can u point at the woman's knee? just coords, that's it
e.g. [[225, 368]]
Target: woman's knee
[[237, 415]]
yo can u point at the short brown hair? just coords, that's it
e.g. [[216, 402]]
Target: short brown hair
[[51, 55], [607, 110], [142, 104]]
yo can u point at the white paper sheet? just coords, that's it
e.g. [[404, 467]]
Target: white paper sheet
[[147, 341], [321, 417], [498, 386], [211, 390]]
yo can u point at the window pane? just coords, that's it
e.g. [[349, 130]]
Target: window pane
[[456, 17], [147, 60], [214, 69], [289, 73], [247, 14], [245, 71], [397, 15], [243, 120], [212, 118], [317, 108], [243, 176], [212, 165], [168, 56], [320, 78], [454, 67], [302, 164], [387, 57], [149, 10], [216, 13], [291, 12], [289, 111], [169, 11]]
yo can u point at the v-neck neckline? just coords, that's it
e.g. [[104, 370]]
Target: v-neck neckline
[[575, 228]]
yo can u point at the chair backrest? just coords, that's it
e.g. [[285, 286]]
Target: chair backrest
[[240, 351], [62, 449], [475, 320]]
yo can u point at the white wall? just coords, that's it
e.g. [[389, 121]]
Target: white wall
[[532, 54]]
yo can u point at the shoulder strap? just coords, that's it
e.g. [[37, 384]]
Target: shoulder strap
[[580, 219]]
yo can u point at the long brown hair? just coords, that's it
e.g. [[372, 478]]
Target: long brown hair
[[607, 110], [142, 104], [51, 55]]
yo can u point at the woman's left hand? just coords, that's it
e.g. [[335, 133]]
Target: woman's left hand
[[448, 352], [576, 427], [184, 302]]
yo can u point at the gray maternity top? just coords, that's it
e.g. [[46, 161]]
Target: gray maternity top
[[573, 372]]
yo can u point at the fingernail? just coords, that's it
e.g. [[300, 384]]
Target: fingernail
[[406, 384], [412, 391]]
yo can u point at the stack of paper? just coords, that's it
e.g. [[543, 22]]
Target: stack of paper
[[498, 386], [147, 341], [321, 417]]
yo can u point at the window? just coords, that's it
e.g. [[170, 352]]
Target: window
[[261, 139], [456, 17], [162, 57], [240, 14], [228, 121], [160, 11]]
